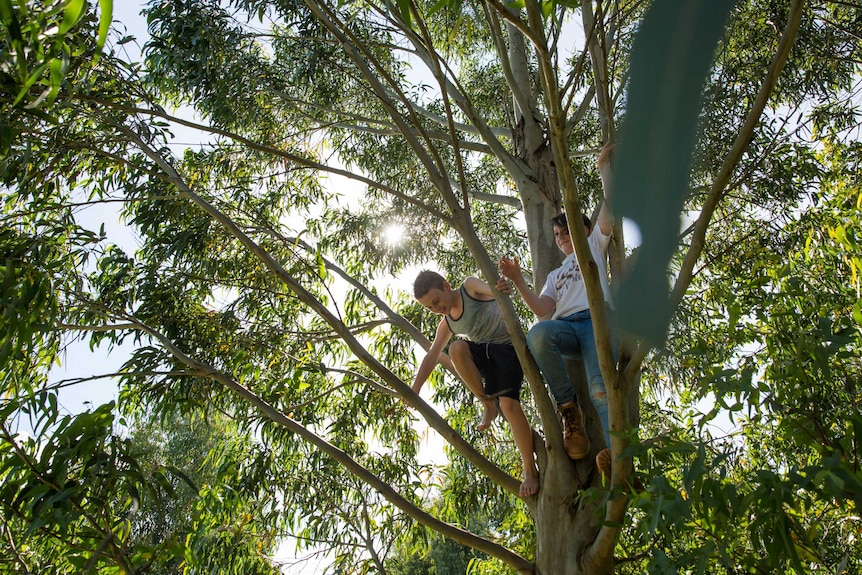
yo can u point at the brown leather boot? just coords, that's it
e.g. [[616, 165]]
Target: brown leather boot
[[603, 462], [574, 435]]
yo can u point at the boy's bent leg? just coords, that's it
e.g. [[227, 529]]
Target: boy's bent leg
[[462, 358], [549, 342], [523, 435]]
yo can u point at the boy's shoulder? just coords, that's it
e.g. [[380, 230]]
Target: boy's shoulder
[[476, 288], [598, 238]]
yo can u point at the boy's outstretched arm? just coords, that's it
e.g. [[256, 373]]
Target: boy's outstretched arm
[[434, 355], [605, 219], [540, 305]]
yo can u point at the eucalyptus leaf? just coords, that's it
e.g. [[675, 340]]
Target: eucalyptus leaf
[[106, 10], [670, 60], [74, 11]]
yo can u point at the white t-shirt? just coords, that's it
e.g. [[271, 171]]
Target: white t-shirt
[[565, 285]]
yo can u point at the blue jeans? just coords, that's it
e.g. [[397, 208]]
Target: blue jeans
[[571, 337]]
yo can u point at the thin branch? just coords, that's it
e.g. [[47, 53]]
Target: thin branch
[[16, 555], [389, 129], [460, 126], [516, 22], [276, 152], [443, 83], [521, 99], [358, 379], [63, 383], [97, 328]]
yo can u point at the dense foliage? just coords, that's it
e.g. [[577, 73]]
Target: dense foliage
[[274, 336]]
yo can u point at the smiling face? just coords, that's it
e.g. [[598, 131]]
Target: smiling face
[[438, 300], [564, 240]]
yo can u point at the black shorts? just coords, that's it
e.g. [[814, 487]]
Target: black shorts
[[498, 363]]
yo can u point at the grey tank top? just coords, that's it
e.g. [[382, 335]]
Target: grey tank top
[[480, 321]]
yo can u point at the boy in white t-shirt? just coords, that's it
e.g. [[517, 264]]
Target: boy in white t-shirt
[[569, 332]]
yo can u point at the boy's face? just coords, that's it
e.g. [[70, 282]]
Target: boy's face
[[564, 240], [438, 300]]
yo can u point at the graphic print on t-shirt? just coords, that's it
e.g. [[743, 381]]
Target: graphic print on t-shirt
[[568, 276]]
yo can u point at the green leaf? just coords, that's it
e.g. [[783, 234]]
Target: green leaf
[[10, 21], [7, 136], [7, 16], [437, 6], [404, 9], [106, 13], [176, 471], [72, 15], [671, 57], [56, 78], [31, 80]]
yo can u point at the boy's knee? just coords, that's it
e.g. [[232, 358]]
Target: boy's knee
[[510, 407], [536, 337], [507, 403], [599, 397], [459, 348]]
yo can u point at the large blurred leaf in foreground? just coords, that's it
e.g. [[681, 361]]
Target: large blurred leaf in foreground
[[671, 57]]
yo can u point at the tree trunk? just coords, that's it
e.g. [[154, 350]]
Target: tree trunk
[[538, 211], [537, 183], [566, 525]]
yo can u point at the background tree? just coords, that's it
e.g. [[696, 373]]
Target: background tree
[[194, 509], [261, 292]]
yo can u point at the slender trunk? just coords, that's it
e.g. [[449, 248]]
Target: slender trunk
[[538, 211], [566, 525], [537, 183]]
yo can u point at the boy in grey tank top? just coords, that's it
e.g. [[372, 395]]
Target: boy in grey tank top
[[486, 354]]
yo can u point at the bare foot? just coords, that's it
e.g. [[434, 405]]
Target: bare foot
[[489, 414], [529, 486]]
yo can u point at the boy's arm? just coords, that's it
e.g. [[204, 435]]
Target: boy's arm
[[541, 305], [480, 290], [429, 362], [605, 219]]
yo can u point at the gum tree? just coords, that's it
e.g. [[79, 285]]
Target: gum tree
[[259, 288]]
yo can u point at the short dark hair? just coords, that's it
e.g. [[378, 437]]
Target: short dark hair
[[426, 281], [560, 221]]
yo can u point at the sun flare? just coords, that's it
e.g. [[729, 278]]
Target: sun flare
[[393, 234]]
